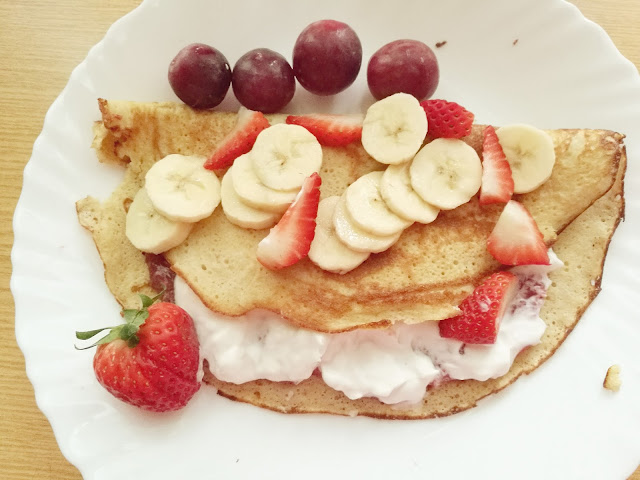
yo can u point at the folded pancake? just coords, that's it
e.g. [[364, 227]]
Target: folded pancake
[[582, 246], [423, 277]]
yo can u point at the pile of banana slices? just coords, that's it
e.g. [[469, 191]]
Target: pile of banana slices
[[371, 214], [260, 185], [178, 192]]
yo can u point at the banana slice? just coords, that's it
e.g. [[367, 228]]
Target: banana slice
[[150, 231], [402, 199], [252, 191], [446, 173], [368, 210], [356, 238], [284, 155], [530, 154], [394, 129], [238, 212], [327, 251], [181, 189]]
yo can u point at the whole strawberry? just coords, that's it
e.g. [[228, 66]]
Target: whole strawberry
[[447, 119], [152, 360], [482, 311]]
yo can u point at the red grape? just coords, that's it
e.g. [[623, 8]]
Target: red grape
[[263, 80], [327, 57], [406, 66], [200, 75]]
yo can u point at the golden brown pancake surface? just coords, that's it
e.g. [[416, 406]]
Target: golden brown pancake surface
[[422, 277]]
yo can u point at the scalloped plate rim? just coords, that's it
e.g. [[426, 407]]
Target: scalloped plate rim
[[58, 104]]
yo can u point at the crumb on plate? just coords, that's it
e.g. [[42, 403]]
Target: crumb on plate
[[612, 379]]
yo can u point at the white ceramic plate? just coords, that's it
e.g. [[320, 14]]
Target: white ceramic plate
[[563, 71]]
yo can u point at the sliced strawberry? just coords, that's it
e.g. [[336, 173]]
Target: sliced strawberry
[[482, 311], [497, 181], [239, 140], [447, 119], [516, 239], [331, 130], [290, 239]]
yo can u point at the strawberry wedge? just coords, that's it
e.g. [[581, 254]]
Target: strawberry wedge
[[516, 238], [290, 240], [239, 140], [482, 311], [330, 130], [447, 119], [497, 181]]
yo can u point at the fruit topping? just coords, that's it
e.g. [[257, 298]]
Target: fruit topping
[[252, 192], [401, 198], [446, 173], [355, 237], [482, 311], [331, 130], [394, 129], [284, 155], [327, 251], [516, 239], [290, 240], [238, 212], [161, 277], [200, 76], [407, 66], [263, 80], [497, 182], [152, 360], [368, 210], [530, 154], [447, 119], [326, 57], [150, 231], [239, 140], [181, 189]]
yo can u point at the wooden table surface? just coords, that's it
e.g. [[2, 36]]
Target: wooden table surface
[[41, 41]]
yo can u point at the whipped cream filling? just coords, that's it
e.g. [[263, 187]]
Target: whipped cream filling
[[373, 363], [394, 365], [257, 345]]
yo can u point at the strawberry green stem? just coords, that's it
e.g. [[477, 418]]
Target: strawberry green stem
[[127, 331]]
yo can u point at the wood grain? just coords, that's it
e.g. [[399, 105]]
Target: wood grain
[[41, 42]]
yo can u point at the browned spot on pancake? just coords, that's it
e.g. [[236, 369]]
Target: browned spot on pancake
[[112, 121]]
